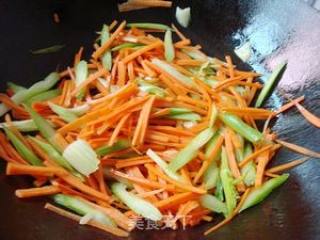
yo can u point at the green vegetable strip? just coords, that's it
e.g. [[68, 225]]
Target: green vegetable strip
[[24, 151], [82, 208], [248, 171], [259, 194], [241, 127], [35, 89], [156, 26], [106, 57], [269, 84], [43, 125], [173, 72], [193, 117], [227, 181], [52, 49], [15, 87], [211, 145], [64, 113], [136, 204], [118, 146], [211, 176], [152, 89], [219, 190], [168, 46], [53, 154], [126, 45], [22, 126], [163, 165], [191, 150], [214, 204], [177, 111], [45, 96], [81, 74]]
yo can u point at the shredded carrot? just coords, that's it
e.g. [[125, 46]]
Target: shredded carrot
[[107, 44], [141, 51], [74, 217], [289, 105], [232, 159], [254, 155], [263, 160], [299, 149], [286, 166], [311, 118], [19, 169], [37, 192]]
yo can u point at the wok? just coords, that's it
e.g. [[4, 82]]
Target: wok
[[286, 30]]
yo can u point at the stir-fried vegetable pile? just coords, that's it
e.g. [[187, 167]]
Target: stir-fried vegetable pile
[[147, 128]]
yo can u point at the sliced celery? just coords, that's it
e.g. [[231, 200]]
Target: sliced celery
[[214, 204], [156, 26], [45, 96], [269, 83], [52, 153], [151, 88], [191, 150], [163, 165], [126, 45], [211, 176], [227, 181], [43, 125], [24, 151], [257, 195], [240, 127], [168, 46], [107, 56], [183, 16], [14, 87], [64, 113], [173, 72], [136, 204], [51, 49], [35, 89], [193, 117], [248, 171], [23, 125], [82, 157], [82, 208], [118, 146]]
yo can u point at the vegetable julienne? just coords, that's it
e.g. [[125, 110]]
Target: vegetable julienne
[[149, 128]]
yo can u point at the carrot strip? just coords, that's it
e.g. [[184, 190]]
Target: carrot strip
[[254, 155], [92, 77], [117, 130], [175, 200], [311, 118], [182, 186], [20, 169], [263, 159], [289, 105], [286, 166], [37, 192], [122, 72], [152, 3], [141, 51], [114, 230], [180, 34], [299, 149], [108, 43]]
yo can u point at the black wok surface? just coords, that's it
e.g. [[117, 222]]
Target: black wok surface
[[286, 30]]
